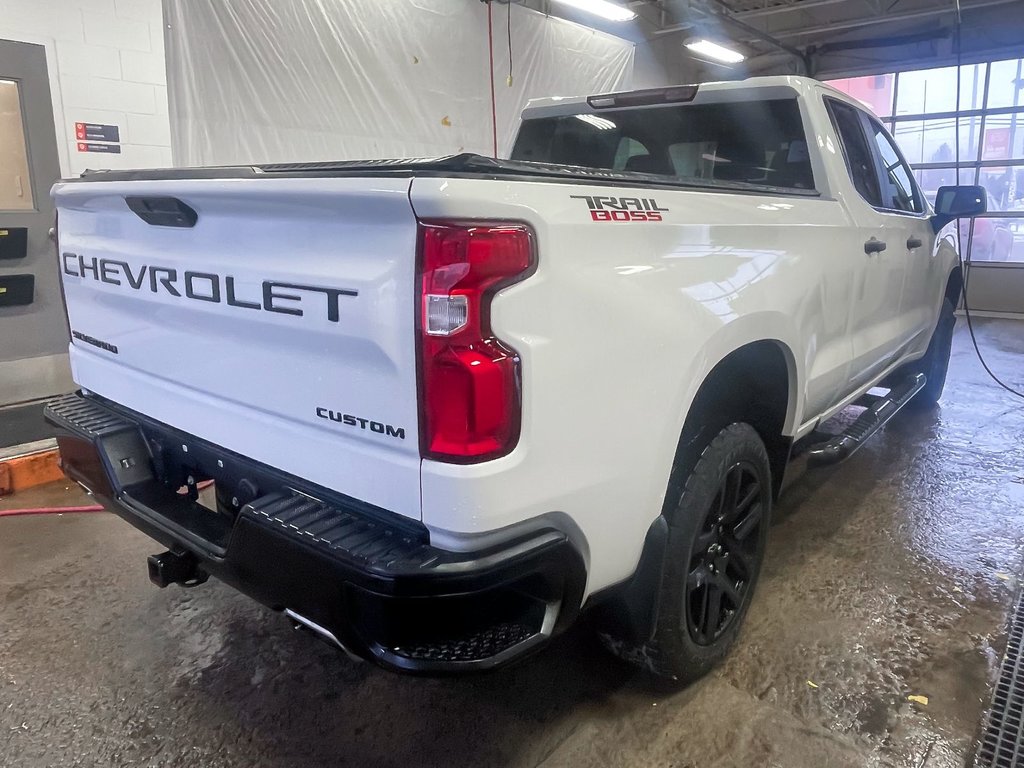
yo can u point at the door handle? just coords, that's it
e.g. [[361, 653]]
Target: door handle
[[914, 242], [873, 246]]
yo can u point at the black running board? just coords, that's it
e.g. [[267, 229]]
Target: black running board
[[874, 418]]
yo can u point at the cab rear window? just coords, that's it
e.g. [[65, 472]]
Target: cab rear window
[[757, 142]]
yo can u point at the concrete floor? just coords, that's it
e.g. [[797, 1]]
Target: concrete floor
[[887, 576]]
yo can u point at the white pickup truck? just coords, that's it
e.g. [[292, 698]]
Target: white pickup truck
[[449, 404]]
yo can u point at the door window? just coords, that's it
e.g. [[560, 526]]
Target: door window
[[859, 160], [899, 193], [15, 184]]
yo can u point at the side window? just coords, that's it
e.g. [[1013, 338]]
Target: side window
[[898, 190], [859, 160], [631, 155], [686, 159]]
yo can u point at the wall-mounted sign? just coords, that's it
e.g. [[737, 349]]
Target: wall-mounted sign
[[97, 132], [85, 146]]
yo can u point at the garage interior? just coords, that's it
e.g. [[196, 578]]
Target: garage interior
[[887, 626]]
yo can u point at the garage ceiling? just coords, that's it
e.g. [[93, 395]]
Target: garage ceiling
[[774, 32]]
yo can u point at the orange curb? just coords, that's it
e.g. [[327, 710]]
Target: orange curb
[[23, 472]]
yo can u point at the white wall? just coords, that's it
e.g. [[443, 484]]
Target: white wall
[[664, 61], [349, 79], [106, 65]]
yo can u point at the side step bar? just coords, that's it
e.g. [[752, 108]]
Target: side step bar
[[874, 418]]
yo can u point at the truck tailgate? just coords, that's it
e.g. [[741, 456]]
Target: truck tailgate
[[279, 325]]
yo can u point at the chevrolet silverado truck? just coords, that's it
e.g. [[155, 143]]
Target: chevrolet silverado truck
[[449, 405]]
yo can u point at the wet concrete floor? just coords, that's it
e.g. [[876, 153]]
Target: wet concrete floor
[[886, 577]]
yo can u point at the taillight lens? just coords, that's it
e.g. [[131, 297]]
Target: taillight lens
[[470, 400]]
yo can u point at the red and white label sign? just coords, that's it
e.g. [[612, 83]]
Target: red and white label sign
[[996, 145]]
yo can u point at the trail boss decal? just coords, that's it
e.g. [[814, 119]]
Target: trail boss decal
[[284, 298], [622, 208]]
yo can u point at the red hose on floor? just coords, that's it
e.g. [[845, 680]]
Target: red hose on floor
[[49, 510]]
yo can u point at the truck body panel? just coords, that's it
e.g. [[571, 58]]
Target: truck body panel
[[215, 335], [618, 327]]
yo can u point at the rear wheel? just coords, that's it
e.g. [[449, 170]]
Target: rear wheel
[[717, 535], [935, 362]]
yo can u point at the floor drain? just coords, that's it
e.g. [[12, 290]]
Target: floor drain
[[1002, 744]]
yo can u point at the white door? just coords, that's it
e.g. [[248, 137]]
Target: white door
[[876, 246], [912, 241]]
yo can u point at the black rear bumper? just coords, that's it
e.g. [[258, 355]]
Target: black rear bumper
[[362, 577]]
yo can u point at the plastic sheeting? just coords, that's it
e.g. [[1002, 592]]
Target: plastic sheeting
[[254, 81]]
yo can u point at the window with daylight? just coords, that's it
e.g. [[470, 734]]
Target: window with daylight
[[967, 130], [15, 185], [873, 91]]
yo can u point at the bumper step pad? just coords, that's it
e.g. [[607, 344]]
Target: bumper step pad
[[83, 416], [341, 532], [484, 644]]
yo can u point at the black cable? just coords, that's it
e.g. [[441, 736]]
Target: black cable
[[959, 238], [509, 43], [981, 359]]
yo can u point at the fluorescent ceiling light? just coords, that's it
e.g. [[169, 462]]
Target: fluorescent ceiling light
[[715, 51], [602, 8], [598, 122]]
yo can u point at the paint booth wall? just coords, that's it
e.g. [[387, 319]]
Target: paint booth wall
[[105, 62], [253, 81]]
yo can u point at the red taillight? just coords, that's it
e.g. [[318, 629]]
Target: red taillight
[[470, 402]]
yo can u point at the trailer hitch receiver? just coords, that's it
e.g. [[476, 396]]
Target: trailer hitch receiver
[[176, 568]]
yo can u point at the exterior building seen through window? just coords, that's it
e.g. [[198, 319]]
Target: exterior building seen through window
[[921, 110]]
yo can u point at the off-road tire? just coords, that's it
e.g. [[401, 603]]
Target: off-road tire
[[935, 362], [674, 653]]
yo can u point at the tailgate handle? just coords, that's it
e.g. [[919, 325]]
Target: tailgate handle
[[163, 211]]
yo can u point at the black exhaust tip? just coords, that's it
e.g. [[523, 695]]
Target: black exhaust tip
[[175, 568]]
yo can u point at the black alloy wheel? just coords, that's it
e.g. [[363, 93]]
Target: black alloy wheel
[[724, 555], [718, 522]]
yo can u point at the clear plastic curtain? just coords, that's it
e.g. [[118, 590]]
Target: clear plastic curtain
[[255, 81]]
